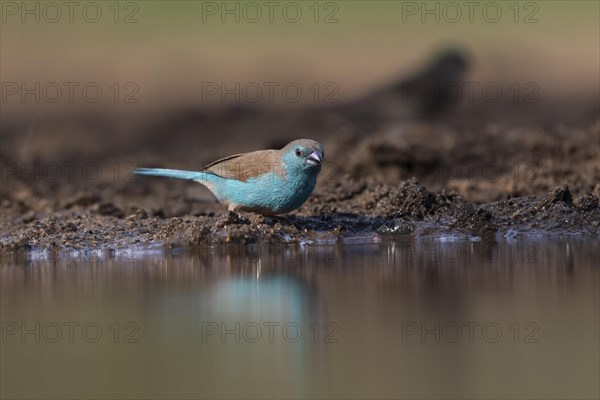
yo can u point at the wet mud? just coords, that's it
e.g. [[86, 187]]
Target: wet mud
[[346, 204], [470, 171]]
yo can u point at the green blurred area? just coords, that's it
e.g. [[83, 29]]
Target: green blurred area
[[170, 47]]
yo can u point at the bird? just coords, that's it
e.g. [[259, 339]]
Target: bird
[[268, 182], [426, 94]]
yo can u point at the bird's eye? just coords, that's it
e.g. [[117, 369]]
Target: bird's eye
[[298, 153]]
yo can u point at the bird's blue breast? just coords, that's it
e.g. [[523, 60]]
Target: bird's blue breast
[[267, 192]]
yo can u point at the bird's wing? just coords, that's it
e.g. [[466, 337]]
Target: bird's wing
[[247, 165]]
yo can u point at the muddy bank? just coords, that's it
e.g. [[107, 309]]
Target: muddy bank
[[338, 210], [475, 172]]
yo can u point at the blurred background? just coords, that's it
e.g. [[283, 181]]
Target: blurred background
[[170, 48]]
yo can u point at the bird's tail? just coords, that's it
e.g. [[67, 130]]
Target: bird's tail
[[172, 173]]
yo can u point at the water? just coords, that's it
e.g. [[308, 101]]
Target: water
[[372, 318]]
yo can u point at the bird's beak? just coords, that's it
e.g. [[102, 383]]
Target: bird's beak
[[315, 158]]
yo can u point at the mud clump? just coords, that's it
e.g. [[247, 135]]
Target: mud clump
[[561, 193], [588, 202]]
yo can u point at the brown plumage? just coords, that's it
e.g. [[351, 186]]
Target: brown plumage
[[247, 165], [250, 165]]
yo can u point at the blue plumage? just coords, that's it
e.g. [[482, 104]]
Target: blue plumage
[[169, 173], [267, 181]]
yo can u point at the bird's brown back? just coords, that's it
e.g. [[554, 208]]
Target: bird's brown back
[[248, 165]]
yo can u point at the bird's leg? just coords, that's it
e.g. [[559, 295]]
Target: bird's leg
[[234, 212]]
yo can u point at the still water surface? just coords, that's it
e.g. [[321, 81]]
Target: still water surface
[[366, 319]]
